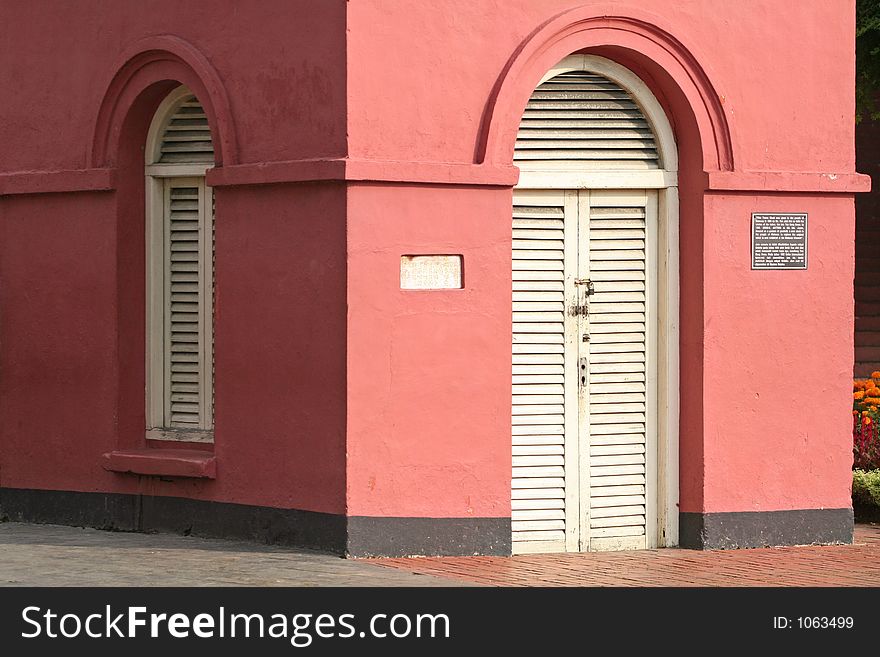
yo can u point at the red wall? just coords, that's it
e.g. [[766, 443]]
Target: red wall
[[280, 348], [72, 265], [282, 63], [57, 340]]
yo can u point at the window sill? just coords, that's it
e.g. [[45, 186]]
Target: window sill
[[163, 462]]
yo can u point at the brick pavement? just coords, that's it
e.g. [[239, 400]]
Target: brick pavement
[[831, 565], [50, 555]]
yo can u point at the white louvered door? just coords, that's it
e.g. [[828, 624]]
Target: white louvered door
[[584, 388]]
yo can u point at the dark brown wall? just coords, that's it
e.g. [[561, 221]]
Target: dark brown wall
[[867, 283]]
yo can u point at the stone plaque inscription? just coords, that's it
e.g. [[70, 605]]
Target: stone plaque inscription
[[779, 240], [430, 272]]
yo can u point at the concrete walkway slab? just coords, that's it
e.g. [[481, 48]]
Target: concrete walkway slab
[[51, 555], [830, 565]]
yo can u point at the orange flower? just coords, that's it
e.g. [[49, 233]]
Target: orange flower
[[866, 420], [872, 392], [875, 375], [858, 395]]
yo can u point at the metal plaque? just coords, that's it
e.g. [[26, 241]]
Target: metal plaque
[[430, 272], [779, 240]]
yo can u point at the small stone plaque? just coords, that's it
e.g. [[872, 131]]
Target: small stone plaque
[[430, 272], [779, 240]]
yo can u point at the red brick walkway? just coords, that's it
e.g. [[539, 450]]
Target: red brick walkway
[[832, 565]]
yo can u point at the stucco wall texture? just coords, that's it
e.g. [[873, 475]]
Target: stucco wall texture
[[71, 264], [766, 356], [336, 390]]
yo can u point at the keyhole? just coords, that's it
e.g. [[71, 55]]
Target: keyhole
[[583, 374]]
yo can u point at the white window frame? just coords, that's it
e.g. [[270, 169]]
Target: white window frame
[[156, 177]]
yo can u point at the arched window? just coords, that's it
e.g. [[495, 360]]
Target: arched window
[[180, 272]]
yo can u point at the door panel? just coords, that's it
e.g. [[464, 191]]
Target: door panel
[[615, 229], [544, 408], [584, 382]]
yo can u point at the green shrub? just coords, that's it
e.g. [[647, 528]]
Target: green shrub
[[866, 487]]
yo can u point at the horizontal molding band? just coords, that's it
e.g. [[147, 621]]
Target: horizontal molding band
[[54, 182], [268, 173], [431, 173], [597, 179], [787, 181], [271, 173], [357, 170]]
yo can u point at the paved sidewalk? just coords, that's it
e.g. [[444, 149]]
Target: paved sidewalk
[[50, 555], [831, 565]]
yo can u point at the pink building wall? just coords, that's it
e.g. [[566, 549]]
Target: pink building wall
[[352, 133], [765, 356]]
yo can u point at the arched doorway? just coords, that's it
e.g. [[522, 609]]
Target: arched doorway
[[595, 315]]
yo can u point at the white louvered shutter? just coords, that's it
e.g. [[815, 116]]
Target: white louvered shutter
[[188, 302], [620, 224], [187, 136], [180, 230], [544, 408], [581, 120]]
